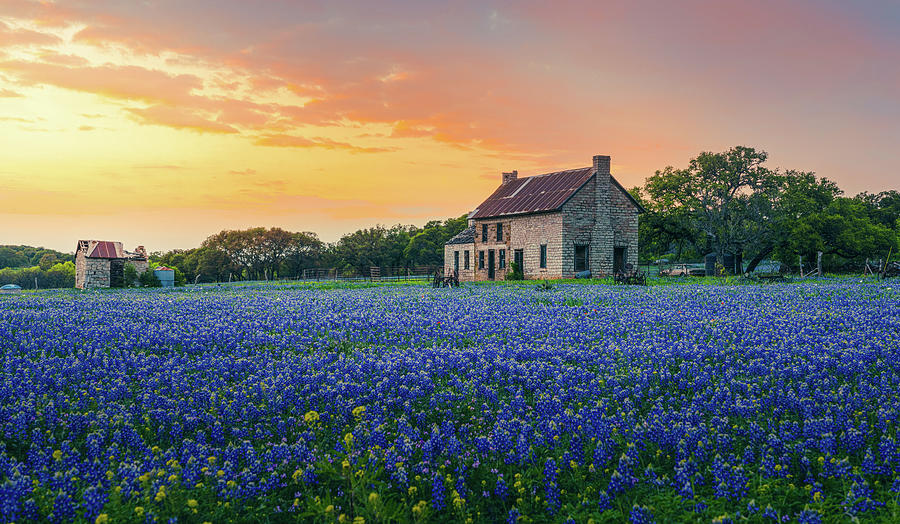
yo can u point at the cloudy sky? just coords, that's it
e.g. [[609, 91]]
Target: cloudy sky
[[162, 122]]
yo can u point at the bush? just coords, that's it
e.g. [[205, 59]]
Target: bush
[[149, 279], [515, 272], [130, 275]]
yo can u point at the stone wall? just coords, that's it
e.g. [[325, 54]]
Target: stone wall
[[465, 275], [96, 273], [525, 232], [80, 267], [624, 220], [139, 265]]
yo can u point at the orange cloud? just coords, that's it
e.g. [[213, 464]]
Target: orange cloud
[[302, 142], [180, 119], [18, 36], [123, 82]]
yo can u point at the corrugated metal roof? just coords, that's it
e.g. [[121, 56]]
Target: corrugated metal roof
[[534, 194], [466, 236], [106, 249]]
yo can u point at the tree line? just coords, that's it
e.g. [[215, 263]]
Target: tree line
[[731, 203], [269, 253]]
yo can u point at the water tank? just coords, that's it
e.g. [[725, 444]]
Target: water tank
[[166, 276], [710, 260]]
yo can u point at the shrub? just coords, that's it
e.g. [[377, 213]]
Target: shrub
[[149, 279], [515, 272]]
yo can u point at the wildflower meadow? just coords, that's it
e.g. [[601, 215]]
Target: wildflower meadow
[[501, 403]]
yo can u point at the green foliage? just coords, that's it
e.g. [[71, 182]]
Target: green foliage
[[27, 256], [730, 202], [61, 274], [149, 279], [515, 272], [130, 275]]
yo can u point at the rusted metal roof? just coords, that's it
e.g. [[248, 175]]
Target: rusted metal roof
[[106, 249], [540, 193], [534, 194]]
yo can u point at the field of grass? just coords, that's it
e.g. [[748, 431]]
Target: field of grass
[[698, 402]]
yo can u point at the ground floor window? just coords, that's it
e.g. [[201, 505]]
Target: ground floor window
[[465, 260], [519, 259], [481, 260], [456, 260], [543, 256], [501, 259], [581, 258]]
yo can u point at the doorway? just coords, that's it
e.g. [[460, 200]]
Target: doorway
[[117, 273], [618, 259], [519, 259], [491, 264]]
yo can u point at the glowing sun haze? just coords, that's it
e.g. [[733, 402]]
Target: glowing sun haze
[[162, 122]]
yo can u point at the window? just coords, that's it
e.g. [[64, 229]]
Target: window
[[456, 260], [481, 260], [543, 256], [501, 259], [484, 232], [499, 232], [519, 259], [581, 258], [466, 259]]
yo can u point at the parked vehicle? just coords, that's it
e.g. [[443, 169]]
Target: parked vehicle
[[682, 270]]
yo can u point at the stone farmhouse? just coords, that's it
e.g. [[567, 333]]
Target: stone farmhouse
[[555, 225], [100, 263]]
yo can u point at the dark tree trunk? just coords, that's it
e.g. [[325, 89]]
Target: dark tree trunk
[[759, 258]]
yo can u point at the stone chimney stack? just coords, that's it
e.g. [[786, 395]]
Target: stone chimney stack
[[509, 177], [601, 164]]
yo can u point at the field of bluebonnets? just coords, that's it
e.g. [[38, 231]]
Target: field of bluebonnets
[[484, 404]]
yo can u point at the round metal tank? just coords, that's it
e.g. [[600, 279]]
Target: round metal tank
[[165, 275]]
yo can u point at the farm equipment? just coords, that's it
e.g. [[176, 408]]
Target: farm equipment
[[451, 280], [630, 276]]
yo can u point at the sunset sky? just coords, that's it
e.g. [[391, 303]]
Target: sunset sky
[[163, 122]]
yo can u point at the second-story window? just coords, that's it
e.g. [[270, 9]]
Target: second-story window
[[484, 232], [499, 232]]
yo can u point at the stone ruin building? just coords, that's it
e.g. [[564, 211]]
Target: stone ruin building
[[100, 263]]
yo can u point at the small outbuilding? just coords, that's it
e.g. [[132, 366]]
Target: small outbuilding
[[166, 276], [101, 263]]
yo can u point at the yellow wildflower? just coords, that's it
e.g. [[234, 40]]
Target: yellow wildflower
[[57, 455], [102, 518]]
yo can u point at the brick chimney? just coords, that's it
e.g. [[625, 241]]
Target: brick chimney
[[509, 177]]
